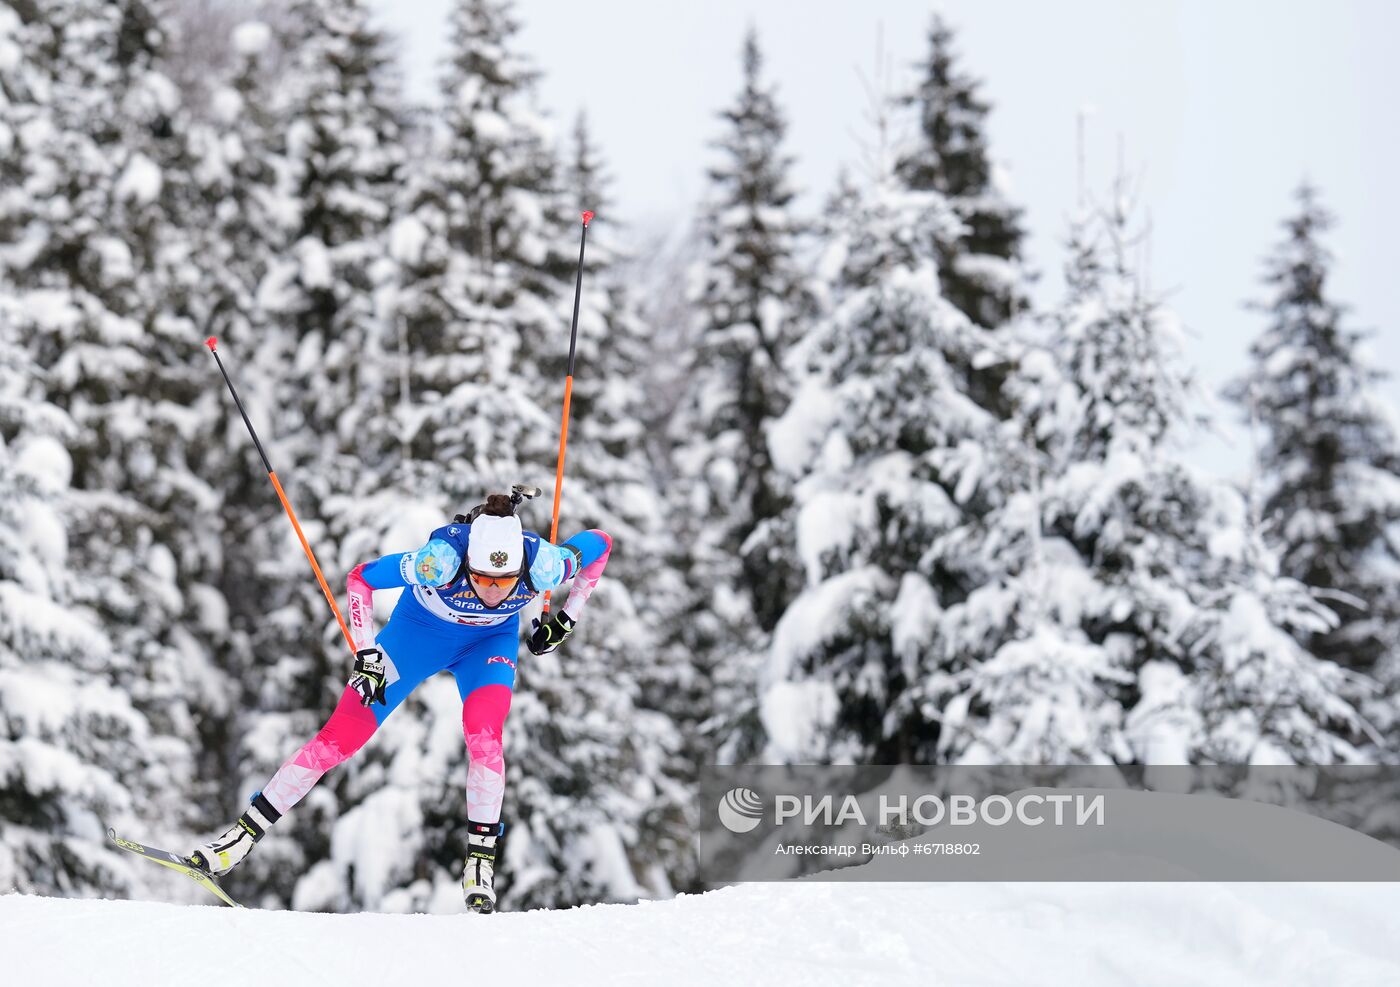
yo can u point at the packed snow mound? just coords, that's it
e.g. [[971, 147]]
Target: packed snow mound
[[796, 932]]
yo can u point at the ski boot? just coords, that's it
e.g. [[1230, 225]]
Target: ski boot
[[223, 853], [479, 873]]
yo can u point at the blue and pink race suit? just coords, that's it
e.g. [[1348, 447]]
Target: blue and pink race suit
[[440, 625]]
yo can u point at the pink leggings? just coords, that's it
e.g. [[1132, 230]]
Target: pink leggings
[[483, 718]]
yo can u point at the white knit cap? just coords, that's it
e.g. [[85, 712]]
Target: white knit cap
[[496, 545]]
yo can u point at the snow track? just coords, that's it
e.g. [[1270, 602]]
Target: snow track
[[801, 932]]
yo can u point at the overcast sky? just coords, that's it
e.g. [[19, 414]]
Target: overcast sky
[[1220, 109]]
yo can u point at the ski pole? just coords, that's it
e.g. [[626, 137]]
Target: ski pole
[[568, 392], [212, 342]]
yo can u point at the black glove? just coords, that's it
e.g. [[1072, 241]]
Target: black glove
[[369, 676], [545, 637]]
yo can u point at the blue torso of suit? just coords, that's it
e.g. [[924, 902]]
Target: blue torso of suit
[[437, 577]]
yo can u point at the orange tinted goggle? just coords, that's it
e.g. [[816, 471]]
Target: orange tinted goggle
[[498, 582]]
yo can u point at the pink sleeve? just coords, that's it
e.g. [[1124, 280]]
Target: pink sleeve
[[361, 608], [586, 579]]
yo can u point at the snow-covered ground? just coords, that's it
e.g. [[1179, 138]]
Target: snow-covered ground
[[792, 933]]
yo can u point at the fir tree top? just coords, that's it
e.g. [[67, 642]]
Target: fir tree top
[[952, 117], [1329, 457], [751, 235], [979, 268]]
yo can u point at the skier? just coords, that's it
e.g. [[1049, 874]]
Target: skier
[[465, 589]]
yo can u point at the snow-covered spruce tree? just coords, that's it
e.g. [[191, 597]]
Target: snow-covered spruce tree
[[1071, 568], [470, 252], [243, 179], [341, 145], [750, 301], [626, 831], [887, 450], [249, 219], [1119, 578], [980, 264], [1254, 694], [448, 360], [325, 423], [472, 249], [1330, 459], [98, 262], [73, 749], [478, 295], [201, 58], [586, 176]]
